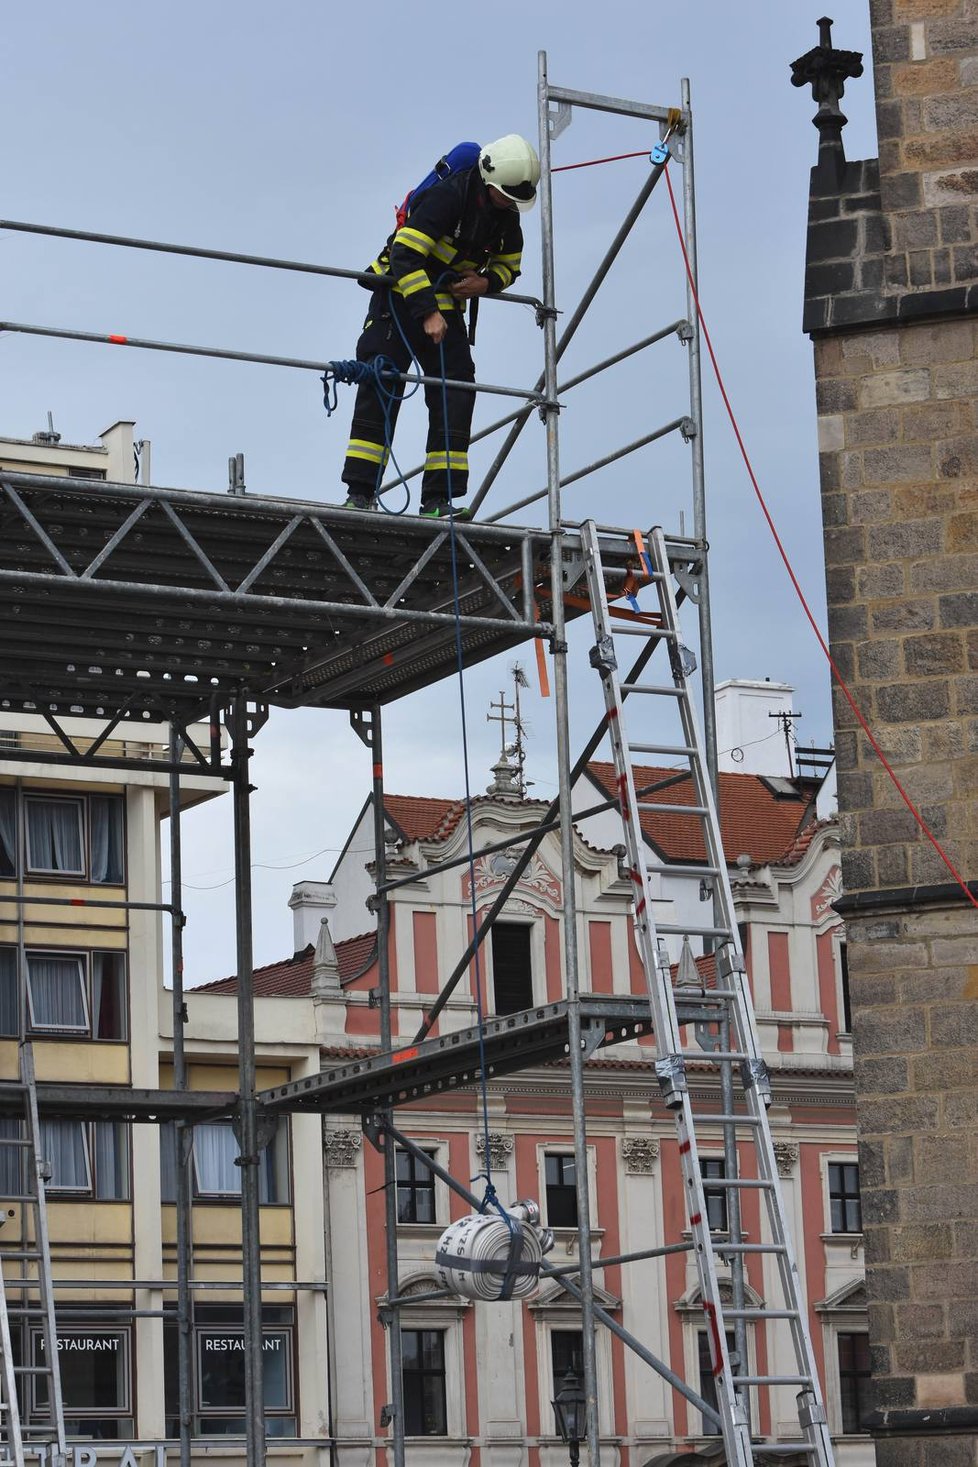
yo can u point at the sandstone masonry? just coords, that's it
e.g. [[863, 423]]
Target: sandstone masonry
[[891, 300]]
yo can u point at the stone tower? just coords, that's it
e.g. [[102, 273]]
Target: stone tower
[[891, 296]]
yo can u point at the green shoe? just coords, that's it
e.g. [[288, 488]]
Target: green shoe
[[440, 509], [360, 501]]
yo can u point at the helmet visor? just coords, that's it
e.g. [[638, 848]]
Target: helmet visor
[[525, 191]]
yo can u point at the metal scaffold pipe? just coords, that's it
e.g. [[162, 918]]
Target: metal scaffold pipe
[[601, 463], [562, 722], [247, 1111], [570, 330], [110, 338], [675, 328], [375, 742], [268, 262], [184, 1129]]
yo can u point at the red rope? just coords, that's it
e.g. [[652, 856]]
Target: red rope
[[921, 822], [566, 167]]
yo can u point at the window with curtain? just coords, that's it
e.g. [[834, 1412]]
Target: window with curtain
[[11, 1152], [8, 833], [64, 1146], [106, 817], [57, 991], [77, 993], [88, 1156], [214, 1174], [54, 835], [9, 1005], [215, 1152], [108, 996]]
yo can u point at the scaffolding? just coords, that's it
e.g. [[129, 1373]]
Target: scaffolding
[[126, 602]]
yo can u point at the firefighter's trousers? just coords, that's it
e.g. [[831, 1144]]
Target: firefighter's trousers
[[368, 452]]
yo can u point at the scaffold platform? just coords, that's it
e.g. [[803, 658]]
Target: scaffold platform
[[167, 602], [459, 1058], [451, 1061]]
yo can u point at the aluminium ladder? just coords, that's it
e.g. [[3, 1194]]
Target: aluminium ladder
[[735, 1014], [33, 1416]]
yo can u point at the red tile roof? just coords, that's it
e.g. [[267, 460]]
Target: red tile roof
[[420, 818], [802, 841], [754, 818], [292, 977], [355, 955]]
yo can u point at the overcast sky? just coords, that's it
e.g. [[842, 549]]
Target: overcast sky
[[292, 131]]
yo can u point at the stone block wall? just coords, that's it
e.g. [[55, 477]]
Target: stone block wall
[[892, 305], [898, 434]]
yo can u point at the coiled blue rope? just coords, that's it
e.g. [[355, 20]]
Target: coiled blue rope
[[382, 374]]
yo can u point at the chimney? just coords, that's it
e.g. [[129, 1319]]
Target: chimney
[[311, 902], [748, 740]]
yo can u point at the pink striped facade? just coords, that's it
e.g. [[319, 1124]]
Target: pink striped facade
[[498, 1357]]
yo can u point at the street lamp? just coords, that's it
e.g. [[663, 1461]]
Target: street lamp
[[570, 1412]]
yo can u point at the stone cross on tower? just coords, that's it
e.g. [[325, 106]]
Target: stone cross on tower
[[505, 715], [505, 780], [827, 70]]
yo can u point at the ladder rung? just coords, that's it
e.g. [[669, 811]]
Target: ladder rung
[[651, 688], [726, 1120], [20, 1255], [641, 631], [756, 1183], [613, 572], [672, 809], [671, 871], [32, 1370], [721, 1248], [714, 1054], [755, 1380], [672, 930], [761, 1314], [789, 1449], [677, 749]]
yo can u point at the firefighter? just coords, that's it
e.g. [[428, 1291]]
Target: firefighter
[[461, 240]]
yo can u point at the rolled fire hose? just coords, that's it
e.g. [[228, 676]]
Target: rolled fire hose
[[482, 1257]]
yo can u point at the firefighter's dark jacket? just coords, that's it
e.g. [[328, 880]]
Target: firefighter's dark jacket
[[454, 226]]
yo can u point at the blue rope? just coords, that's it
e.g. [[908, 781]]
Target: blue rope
[[490, 1199], [378, 372]]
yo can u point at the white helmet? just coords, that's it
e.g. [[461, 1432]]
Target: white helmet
[[511, 165]]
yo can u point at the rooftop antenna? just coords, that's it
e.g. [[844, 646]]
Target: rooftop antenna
[[50, 436], [787, 721], [520, 680], [505, 713]]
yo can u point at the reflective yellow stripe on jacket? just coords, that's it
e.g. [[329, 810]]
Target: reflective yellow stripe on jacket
[[413, 239]]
